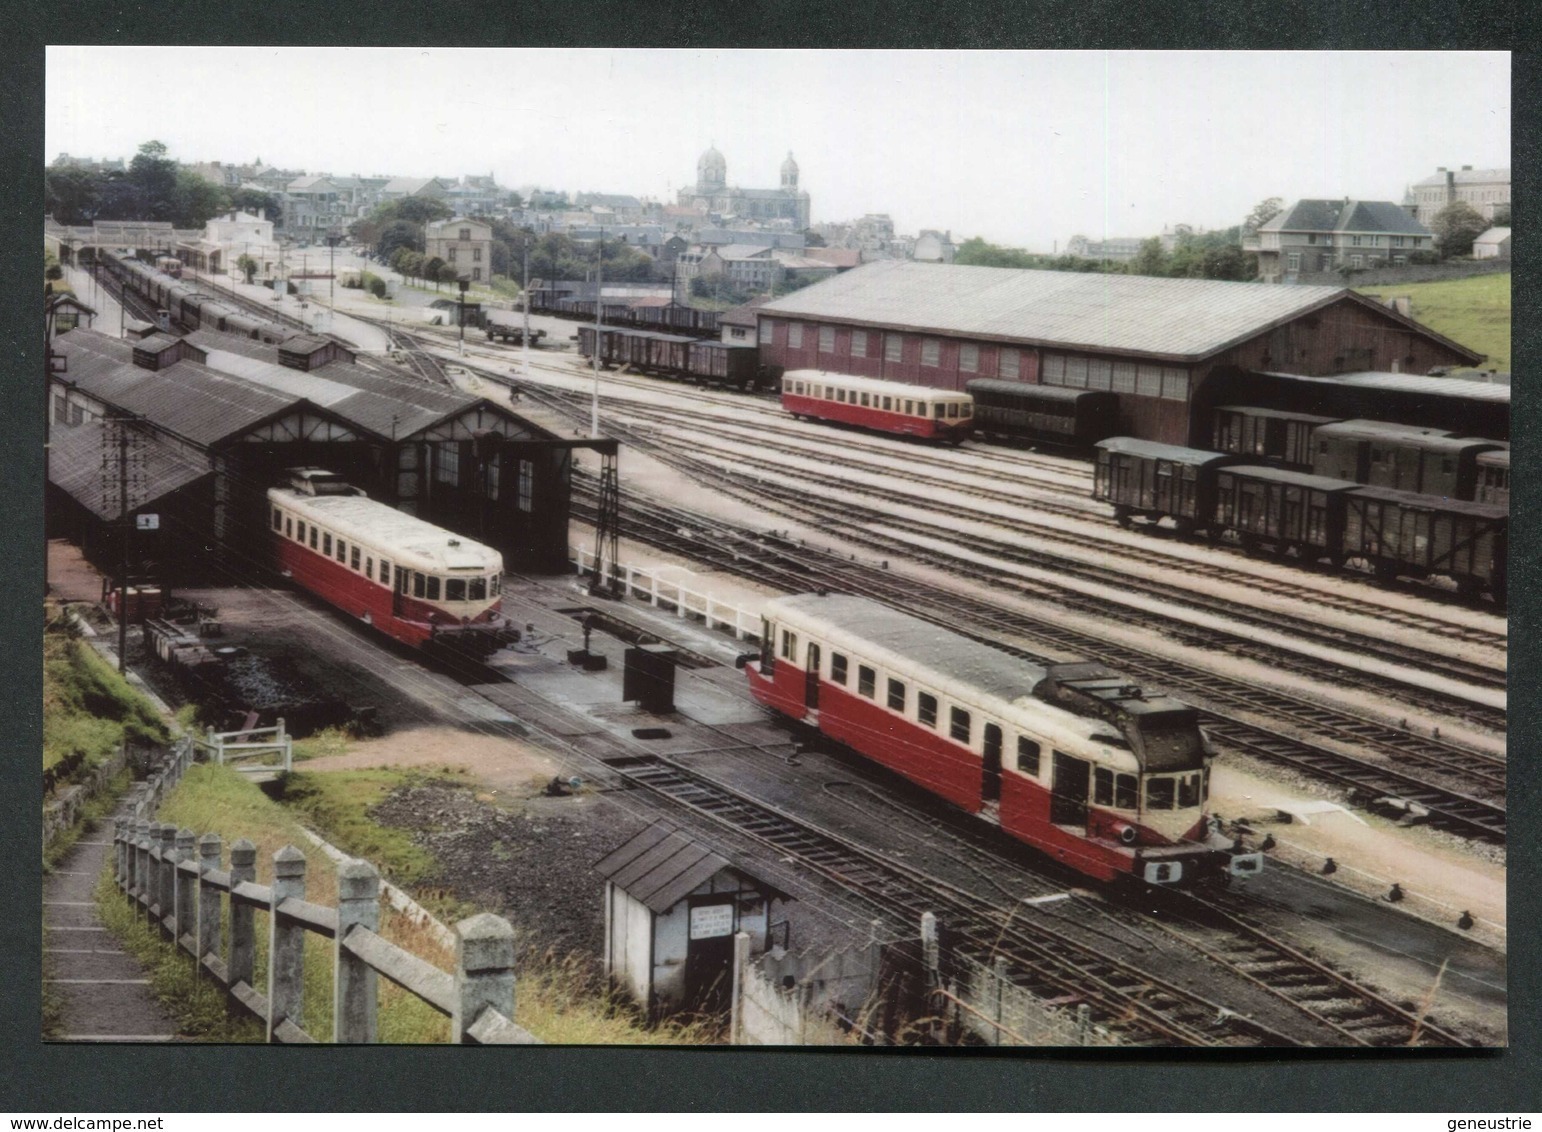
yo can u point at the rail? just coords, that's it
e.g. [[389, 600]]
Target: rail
[[695, 605], [176, 879]]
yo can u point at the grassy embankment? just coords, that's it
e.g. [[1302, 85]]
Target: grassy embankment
[[1474, 312]]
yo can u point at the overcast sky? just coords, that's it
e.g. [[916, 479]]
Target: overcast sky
[[1023, 148]]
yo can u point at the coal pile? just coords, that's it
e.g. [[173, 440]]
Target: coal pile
[[274, 687]]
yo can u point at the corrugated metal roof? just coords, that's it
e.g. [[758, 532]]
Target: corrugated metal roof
[[660, 866], [1415, 383], [1186, 319], [75, 465]]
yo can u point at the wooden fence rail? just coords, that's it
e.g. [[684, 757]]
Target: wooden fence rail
[[175, 880]]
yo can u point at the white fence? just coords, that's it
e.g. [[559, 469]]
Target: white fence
[[696, 605], [246, 752]]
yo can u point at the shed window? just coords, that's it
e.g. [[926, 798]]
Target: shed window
[[867, 681], [1099, 374], [969, 358], [794, 335], [1148, 381], [1027, 755], [959, 724], [926, 709], [893, 347], [859, 343], [767, 330], [447, 462], [827, 339], [931, 352], [1008, 363], [896, 696], [1175, 384], [527, 485], [837, 668], [1054, 369], [1124, 377]]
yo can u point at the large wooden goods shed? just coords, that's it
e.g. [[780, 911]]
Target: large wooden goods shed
[[672, 909]]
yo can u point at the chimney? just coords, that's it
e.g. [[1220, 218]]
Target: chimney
[[1440, 168], [1466, 168]]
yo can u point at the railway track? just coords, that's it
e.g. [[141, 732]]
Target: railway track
[[1145, 1009]]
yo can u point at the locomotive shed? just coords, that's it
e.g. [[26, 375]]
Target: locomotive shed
[[211, 420]]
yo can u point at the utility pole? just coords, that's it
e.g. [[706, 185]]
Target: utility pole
[[116, 481], [525, 345], [599, 310]]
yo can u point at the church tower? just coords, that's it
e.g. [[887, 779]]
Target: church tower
[[711, 172], [789, 174]]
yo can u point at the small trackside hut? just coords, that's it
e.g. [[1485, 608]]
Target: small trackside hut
[[672, 909], [1072, 759]]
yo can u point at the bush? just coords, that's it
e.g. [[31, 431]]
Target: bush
[[1423, 258], [377, 286]]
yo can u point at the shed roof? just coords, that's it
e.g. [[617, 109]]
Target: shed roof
[[75, 465], [1182, 319], [1455, 387], [661, 866]]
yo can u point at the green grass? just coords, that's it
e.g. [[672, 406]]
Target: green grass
[[88, 709], [95, 809], [1474, 312]]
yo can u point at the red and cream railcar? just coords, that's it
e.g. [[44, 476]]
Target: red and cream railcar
[[411, 580], [885, 406], [1071, 759]]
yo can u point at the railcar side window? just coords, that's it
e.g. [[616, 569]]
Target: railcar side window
[[353, 557], [278, 518], [369, 567], [1102, 786], [455, 589], [789, 645], [837, 668], [939, 410], [888, 404], [1027, 756], [896, 696], [1188, 791], [867, 681], [1159, 793], [926, 709], [910, 408], [326, 545], [959, 724], [385, 571], [342, 551], [433, 588], [1125, 795], [496, 585], [865, 398], [419, 584], [289, 528]]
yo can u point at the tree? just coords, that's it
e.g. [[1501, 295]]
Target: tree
[[419, 210], [153, 177], [196, 201], [398, 234], [258, 203], [1501, 216], [71, 196], [1263, 212], [1456, 226], [1152, 259], [433, 268], [246, 265]]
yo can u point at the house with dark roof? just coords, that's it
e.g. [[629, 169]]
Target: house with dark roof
[[1313, 236], [1156, 342]]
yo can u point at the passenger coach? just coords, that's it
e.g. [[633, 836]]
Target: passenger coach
[[415, 582], [884, 406], [1072, 759]]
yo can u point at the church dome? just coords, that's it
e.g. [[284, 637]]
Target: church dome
[[789, 172], [711, 170]]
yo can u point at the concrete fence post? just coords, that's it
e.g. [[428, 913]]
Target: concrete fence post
[[355, 994], [1083, 1024], [166, 892], [140, 848], [286, 942], [120, 855], [243, 930], [484, 972], [999, 970], [214, 745], [741, 970], [208, 897], [930, 953], [185, 892]]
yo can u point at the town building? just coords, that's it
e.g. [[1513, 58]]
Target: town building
[[1493, 244], [712, 194], [1156, 342], [933, 247], [1325, 235], [1119, 249], [313, 208], [1487, 190], [466, 245]]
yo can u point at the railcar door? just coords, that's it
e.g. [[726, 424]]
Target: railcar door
[[990, 784], [811, 679], [399, 591], [1068, 791]]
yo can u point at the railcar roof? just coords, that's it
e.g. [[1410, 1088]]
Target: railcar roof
[[1154, 450], [1039, 392], [1496, 458], [1416, 502], [654, 335], [413, 541], [1277, 414], [1379, 430], [874, 385], [1282, 475]]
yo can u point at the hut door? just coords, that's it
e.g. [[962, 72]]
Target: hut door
[[990, 785], [1068, 793], [811, 679], [709, 955]]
